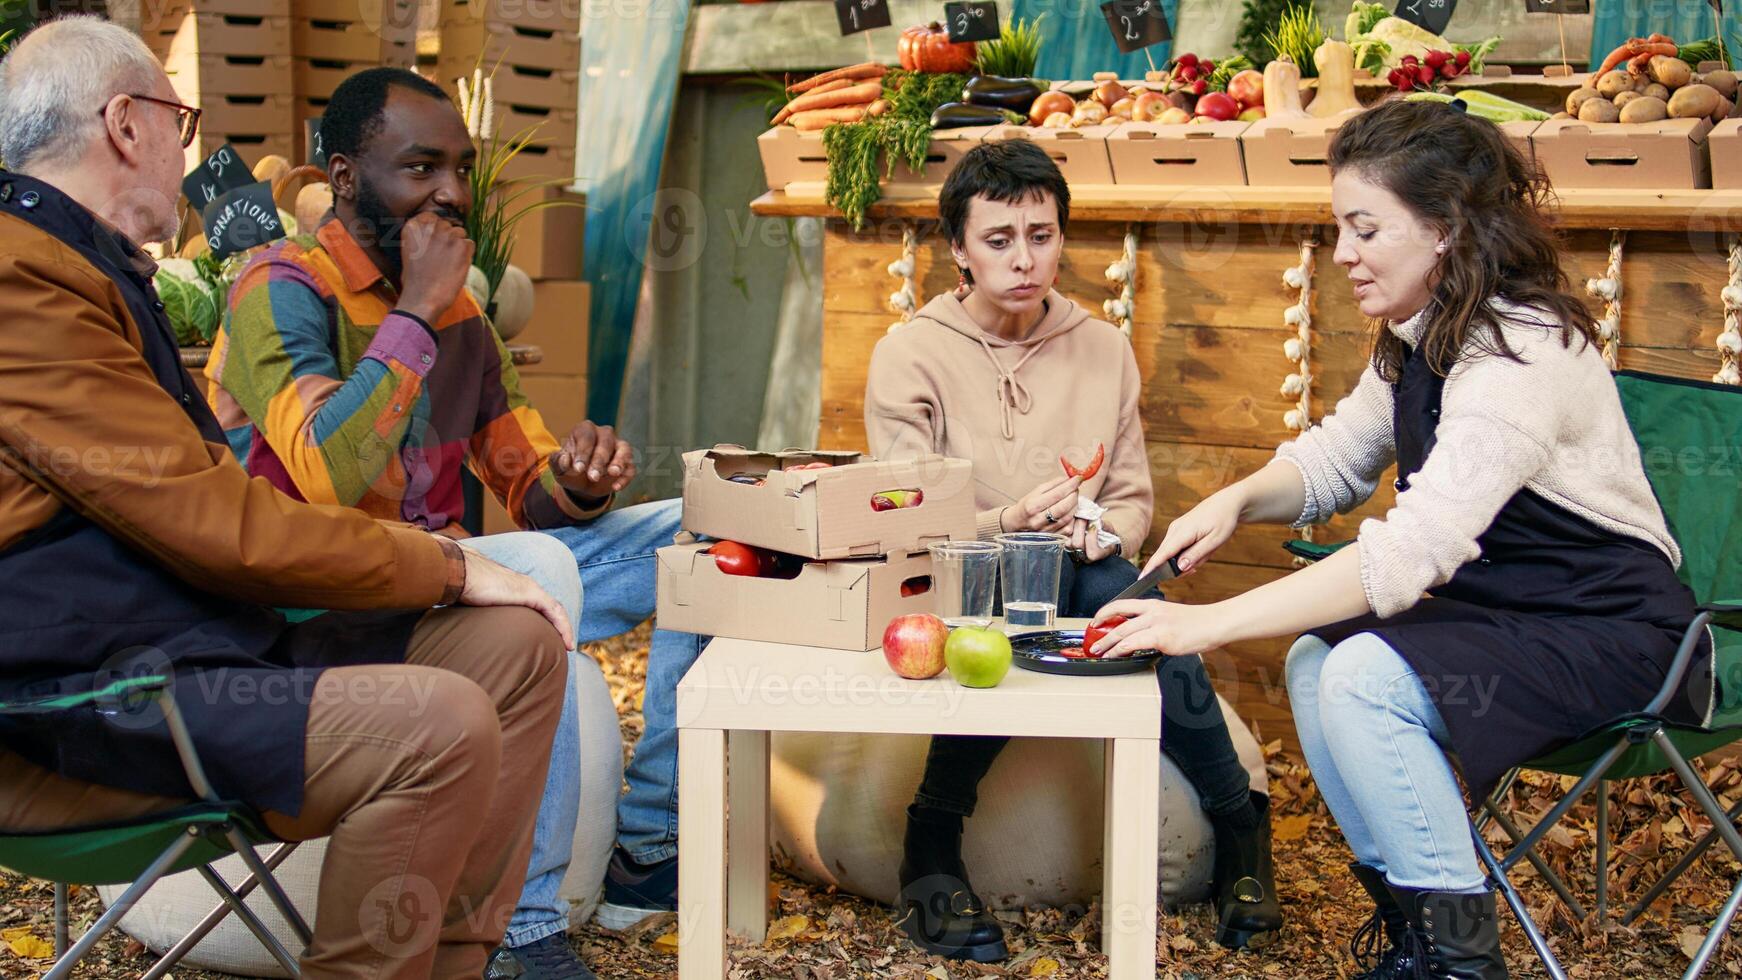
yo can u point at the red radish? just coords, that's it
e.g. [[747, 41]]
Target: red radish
[[1463, 58], [1187, 60], [1218, 105], [1435, 59], [1201, 86], [1425, 75]]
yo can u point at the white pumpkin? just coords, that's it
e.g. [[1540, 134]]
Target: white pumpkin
[[312, 203], [513, 302]]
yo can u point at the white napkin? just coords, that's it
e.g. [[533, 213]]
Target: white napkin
[[1092, 512]]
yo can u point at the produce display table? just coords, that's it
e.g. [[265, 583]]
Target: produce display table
[[194, 358], [739, 691], [1211, 317]]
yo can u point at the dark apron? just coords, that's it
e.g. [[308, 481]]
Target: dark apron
[[1557, 629]]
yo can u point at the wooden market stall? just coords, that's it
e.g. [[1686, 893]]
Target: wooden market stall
[[1208, 301]]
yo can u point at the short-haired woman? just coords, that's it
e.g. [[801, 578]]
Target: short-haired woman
[[1011, 375], [1554, 604]]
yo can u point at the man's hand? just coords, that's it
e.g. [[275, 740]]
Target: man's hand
[[489, 584], [437, 255], [593, 463]]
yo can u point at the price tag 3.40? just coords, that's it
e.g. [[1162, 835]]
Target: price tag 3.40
[[971, 20]]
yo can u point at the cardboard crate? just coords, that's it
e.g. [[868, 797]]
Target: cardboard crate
[[494, 41], [351, 41], [393, 20], [519, 85], [199, 78], [317, 78], [844, 605], [552, 15], [540, 163], [198, 34], [548, 242], [1670, 153], [252, 144], [271, 114], [552, 128], [1724, 143], [1081, 154], [1289, 152], [790, 156], [1200, 154], [558, 327], [825, 513], [156, 16]]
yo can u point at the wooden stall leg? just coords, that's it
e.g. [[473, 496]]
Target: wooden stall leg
[[1128, 890], [701, 866], [747, 835]]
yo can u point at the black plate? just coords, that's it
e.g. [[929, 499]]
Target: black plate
[[1040, 652]]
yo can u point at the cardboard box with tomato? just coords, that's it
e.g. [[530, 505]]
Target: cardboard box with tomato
[[827, 504], [844, 605]]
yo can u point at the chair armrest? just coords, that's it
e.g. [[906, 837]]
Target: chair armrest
[[1727, 614], [1313, 551], [132, 686]]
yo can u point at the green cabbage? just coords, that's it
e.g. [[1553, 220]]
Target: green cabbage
[[1362, 17], [190, 301]]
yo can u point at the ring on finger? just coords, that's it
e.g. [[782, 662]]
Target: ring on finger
[[1051, 519]]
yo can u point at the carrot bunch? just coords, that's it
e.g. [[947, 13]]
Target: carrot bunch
[[844, 95]]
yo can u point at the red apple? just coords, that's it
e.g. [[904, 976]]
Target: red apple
[[1247, 87], [1218, 105], [914, 645]]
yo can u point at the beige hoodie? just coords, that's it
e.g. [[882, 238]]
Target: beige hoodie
[[939, 384]]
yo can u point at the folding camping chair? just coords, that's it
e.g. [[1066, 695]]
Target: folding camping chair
[[144, 850], [1690, 438]]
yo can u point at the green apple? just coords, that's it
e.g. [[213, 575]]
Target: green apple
[[977, 657]]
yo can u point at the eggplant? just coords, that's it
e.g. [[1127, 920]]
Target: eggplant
[[1015, 94], [954, 115]]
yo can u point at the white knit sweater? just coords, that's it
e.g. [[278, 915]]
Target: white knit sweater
[[1552, 423]]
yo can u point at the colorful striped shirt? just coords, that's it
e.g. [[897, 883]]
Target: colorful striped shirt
[[328, 391]]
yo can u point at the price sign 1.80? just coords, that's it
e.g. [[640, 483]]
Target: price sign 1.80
[[861, 15]]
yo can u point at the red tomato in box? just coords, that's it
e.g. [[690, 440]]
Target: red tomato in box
[[1096, 631], [737, 559]]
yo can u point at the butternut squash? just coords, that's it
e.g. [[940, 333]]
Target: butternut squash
[[1282, 89], [1336, 93]]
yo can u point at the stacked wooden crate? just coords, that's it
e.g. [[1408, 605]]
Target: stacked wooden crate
[[232, 58], [532, 51], [331, 40]]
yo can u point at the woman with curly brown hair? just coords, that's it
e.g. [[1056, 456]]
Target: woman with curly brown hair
[[1523, 512]]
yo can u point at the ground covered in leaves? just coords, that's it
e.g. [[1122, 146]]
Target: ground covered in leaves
[[820, 935]]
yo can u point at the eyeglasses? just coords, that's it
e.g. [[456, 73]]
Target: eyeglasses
[[187, 117]]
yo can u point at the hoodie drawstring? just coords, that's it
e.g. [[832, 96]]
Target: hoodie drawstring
[[1013, 395]]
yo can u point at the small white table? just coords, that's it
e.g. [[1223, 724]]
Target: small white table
[[739, 691]]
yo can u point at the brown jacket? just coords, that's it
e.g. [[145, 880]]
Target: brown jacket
[[132, 543]]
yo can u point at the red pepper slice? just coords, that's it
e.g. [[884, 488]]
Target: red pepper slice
[[1088, 472]]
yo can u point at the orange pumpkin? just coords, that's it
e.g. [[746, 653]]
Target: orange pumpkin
[[928, 48]]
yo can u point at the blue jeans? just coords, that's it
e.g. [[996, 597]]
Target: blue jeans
[[542, 911], [1376, 747], [615, 555]]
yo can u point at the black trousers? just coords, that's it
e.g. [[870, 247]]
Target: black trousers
[[1193, 732]]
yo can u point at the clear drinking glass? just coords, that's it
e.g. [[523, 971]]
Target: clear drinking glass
[[965, 578], [1031, 561]]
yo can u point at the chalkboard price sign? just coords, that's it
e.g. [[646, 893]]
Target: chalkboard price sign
[[224, 170], [1557, 6], [861, 15], [1136, 24], [974, 20], [241, 219], [1429, 15], [317, 154]]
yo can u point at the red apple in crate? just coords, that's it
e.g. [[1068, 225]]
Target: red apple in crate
[[1247, 88], [1219, 106], [914, 645]]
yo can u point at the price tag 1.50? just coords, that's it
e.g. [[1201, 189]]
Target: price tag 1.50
[[972, 20], [1136, 24], [224, 170]]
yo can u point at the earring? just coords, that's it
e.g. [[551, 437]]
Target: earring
[[1440, 249], [961, 278]]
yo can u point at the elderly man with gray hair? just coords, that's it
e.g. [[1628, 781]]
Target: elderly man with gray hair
[[132, 543]]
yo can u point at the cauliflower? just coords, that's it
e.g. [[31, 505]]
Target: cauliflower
[[1382, 41]]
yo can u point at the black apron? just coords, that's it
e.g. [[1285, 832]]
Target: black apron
[[1558, 628], [81, 608]]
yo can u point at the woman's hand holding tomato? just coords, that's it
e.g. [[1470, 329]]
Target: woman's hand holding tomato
[[1151, 624]]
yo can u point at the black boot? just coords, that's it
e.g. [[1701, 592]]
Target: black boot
[[1381, 947], [940, 911], [1246, 904], [1455, 937]]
